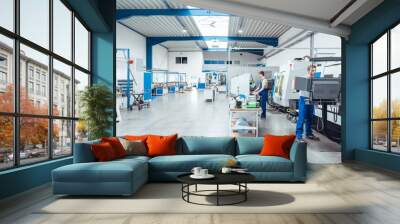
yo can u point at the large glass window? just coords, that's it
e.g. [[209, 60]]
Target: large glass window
[[7, 14], [62, 137], [81, 82], [81, 45], [46, 80], [62, 29], [33, 140], [6, 142], [385, 94], [6, 74], [62, 89], [40, 96], [35, 21]]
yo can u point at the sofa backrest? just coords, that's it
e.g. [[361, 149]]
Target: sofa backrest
[[194, 145], [249, 145], [83, 152]]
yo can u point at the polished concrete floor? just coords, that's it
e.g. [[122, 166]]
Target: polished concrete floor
[[189, 114]]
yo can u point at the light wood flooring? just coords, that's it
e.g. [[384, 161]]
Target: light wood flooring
[[377, 189]]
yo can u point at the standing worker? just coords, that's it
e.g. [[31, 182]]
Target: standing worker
[[262, 91], [306, 111]]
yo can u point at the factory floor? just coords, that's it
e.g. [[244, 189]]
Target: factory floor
[[189, 114]]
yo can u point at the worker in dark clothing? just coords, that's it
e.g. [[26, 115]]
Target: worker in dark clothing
[[262, 91]]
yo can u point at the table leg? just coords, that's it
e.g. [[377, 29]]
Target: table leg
[[195, 189], [217, 194], [245, 193]]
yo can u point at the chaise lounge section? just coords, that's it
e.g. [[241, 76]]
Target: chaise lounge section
[[125, 176]]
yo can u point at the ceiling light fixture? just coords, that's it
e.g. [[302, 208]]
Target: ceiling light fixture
[[240, 31], [184, 30]]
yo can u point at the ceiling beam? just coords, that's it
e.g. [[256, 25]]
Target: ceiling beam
[[346, 12], [270, 15], [272, 41], [258, 52], [126, 13]]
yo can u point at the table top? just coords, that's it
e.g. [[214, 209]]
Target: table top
[[220, 178], [245, 109]]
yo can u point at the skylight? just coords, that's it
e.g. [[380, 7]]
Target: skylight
[[213, 26]]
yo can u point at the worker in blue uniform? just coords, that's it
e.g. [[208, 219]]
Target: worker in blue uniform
[[306, 112], [262, 91]]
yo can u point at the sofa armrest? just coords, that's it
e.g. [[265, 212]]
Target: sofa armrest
[[298, 155], [83, 152]]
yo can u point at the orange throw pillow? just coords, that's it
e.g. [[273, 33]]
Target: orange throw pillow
[[103, 152], [277, 145], [116, 145], [161, 145], [136, 137]]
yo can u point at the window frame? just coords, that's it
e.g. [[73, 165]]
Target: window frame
[[388, 74], [16, 115]]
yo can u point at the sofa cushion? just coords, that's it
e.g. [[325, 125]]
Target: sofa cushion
[[159, 145], [112, 171], [249, 145], [257, 163], [185, 163], [136, 147], [103, 152], [116, 145], [196, 145], [277, 145]]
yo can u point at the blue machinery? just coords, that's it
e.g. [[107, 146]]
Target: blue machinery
[[126, 85], [163, 78]]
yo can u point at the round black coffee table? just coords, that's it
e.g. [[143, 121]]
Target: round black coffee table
[[238, 179]]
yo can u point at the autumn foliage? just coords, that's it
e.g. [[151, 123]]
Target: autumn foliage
[[379, 128], [33, 131]]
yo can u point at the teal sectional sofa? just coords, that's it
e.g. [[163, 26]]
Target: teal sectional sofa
[[125, 176]]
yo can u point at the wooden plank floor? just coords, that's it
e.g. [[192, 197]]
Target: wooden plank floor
[[378, 190]]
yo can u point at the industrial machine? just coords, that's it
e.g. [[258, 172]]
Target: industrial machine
[[322, 90], [284, 90]]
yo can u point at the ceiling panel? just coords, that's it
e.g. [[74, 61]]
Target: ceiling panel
[[183, 45], [320, 9], [247, 44], [255, 28], [155, 25], [141, 4]]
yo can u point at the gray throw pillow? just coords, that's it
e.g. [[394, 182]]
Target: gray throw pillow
[[137, 148]]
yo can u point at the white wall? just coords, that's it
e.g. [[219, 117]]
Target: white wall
[[160, 57], [127, 38], [234, 69], [193, 68]]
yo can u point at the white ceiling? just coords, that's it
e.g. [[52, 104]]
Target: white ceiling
[[312, 15], [255, 18], [152, 26], [320, 9]]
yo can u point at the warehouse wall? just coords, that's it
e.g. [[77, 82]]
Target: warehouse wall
[[160, 57], [234, 69], [127, 38], [193, 68]]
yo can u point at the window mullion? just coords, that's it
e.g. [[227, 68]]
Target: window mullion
[[73, 81], [16, 84], [50, 82]]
